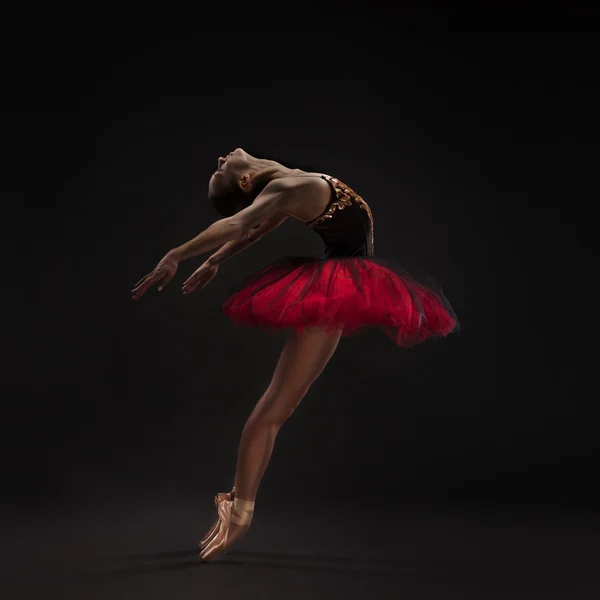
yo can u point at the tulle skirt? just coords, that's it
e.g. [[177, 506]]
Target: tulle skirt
[[347, 293]]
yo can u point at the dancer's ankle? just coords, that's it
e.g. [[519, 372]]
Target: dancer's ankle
[[241, 504], [243, 511]]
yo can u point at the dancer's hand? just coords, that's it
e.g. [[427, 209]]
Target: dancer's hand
[[200, 277], [162, 274]]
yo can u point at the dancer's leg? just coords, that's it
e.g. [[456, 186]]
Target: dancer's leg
[[302, 360]]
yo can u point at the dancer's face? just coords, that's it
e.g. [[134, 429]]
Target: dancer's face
[[232, 171]]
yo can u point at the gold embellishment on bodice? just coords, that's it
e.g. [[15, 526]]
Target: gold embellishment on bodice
[[345, 197]]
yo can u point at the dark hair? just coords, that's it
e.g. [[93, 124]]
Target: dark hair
[[228, 200]]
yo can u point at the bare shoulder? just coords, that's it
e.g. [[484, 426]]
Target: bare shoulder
[[301, 185], [302, 197]]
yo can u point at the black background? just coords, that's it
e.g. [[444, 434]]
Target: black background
[[472, 136]]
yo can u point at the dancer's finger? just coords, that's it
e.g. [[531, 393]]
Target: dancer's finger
[[140, 290], [142, 279], [190, 285], [165, 280]]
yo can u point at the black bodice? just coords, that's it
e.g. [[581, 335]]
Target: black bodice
[[346, 225]]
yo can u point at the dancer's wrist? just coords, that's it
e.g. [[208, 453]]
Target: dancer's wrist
[[176, 255]]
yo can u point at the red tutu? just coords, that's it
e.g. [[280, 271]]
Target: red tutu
[[347, 293]]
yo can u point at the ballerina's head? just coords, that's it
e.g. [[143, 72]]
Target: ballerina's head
[[232, 186]]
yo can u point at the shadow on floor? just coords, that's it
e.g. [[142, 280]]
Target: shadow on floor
[[439, 569]]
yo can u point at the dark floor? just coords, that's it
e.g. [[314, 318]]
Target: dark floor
[[147, 549]]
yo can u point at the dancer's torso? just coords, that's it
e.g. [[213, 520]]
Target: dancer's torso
[[346, 223]]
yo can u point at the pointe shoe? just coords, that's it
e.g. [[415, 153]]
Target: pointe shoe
[[235, 517], [220, 497]]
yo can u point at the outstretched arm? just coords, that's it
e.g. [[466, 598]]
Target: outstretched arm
[[208, 269], [238, 245], [265, 207]]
